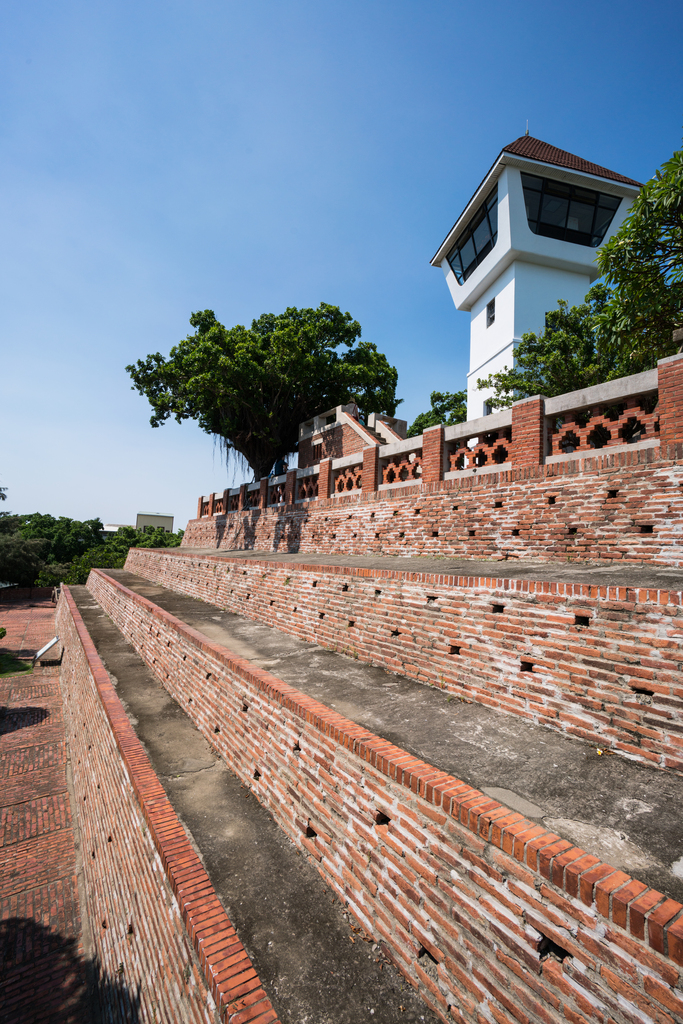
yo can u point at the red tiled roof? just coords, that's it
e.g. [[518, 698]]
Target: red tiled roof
[[534, 149]]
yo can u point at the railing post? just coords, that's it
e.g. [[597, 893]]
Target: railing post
[[528, 432], [199, 506], [212, 503], [290, 487], [670, 384], [370, 467], [325, 478], [433, 447], [243, 497], [263, 493]]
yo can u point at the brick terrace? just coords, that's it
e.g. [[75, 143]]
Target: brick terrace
[[42, 971], [29, 618]]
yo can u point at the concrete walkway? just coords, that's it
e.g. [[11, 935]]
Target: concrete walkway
[[624, 574], [313, 961], [623, 812]]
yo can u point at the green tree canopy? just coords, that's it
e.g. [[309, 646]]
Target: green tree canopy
[[643, 263], [563, 357], [63, 538], [251, 387], [446, 407], [110, 555]]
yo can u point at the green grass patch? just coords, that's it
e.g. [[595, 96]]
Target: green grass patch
[[11, 666]]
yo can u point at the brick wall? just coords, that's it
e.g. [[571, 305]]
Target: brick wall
[[142, 876], [612, 507], [491, 917], [601, 664], [332, 443]]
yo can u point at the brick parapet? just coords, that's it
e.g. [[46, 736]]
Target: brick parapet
[[670, 376], [146, 925], [325, 479], [449, 870], [290, 487], [441, 630], [370, 469], [506, 514], [433, 454], [528, 432]]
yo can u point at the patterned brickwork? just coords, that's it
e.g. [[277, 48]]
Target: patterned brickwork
[[42, 966], [465, 896], [153, 910], [610, 507], [601, 664]]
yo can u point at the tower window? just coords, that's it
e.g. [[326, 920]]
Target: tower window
[[490, 312], [477, 240], [568, 212]]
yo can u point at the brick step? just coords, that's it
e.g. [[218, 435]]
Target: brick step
[[589, 655], [466, 893], [310, 957]]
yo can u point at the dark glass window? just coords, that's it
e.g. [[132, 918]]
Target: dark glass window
[[477, 240], [567, 212], [490, 312]]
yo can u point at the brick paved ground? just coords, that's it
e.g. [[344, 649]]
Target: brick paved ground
[[29, 621], [42, 967]]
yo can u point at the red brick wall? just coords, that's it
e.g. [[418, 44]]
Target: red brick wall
[[140, 870], [583, 677], [460, 892], [331, 444], [462, 518]]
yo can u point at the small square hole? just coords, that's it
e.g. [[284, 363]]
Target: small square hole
[[646, 528], [377, 593], [498, 504], [515, 532], [471, 533], [435, 533], [582, 620], [526, 666], [345, 587], [612, 494], [455, 508], [497, 609], [454, 649], [417, 511], [551, 499], [352, 622], [376, 536], [401, 535], [381, 818], [572, 530], [321, 615]]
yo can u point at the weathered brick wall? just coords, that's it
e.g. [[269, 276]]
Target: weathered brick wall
[[465, 896], [624, 506], [602, 664], [331, 444], [150, 903]]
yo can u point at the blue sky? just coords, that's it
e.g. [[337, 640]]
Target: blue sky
[[248, 155]]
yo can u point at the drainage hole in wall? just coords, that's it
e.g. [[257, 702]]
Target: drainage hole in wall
[[498, 504], [431, 599], [643, 690], [572, 530], [515, 533], [497, 609], [352, 622], [582, 620], [334, 536], [310, 833], [471, 533], [355, 535], [377, 593], [245, 706], [93, 855], [394, 632], [395, 512], [646, 529], [104, 924], [296, 748], [426, 956], [549, 948], [376, 536], [321, 615], [455, 508], [257, 774], [435, 533], [216, 728], [402, 534], [417, 511], [130, 929], [526, 666], [345, 587], [552, 499], [381, 818], [272, 602], [612, 494], [189, 700], [109, 840], [314, 583], [208, 676], [454, 649]]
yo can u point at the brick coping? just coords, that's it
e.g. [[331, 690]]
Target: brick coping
[[228, 970], [605, 592], [645, 913]]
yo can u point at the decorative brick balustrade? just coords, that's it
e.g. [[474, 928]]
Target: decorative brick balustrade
[[348, 479], [490, 449], [404, 468], [307, 488]]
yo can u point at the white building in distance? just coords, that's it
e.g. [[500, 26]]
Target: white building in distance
[[527, 238]]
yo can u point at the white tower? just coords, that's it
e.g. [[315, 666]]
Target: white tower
[[527, 238]]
